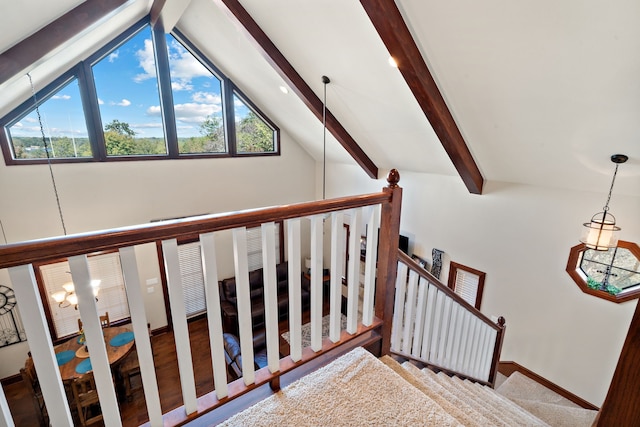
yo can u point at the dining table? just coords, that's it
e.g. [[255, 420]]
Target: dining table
[[74, 359]]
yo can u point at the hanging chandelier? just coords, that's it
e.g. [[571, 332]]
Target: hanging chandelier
[[601, 233]]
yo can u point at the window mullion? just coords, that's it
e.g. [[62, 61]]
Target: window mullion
[[229, 116], [91, 111], [166, 94]]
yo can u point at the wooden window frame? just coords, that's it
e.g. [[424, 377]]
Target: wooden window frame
[[82, 71], [453, 269]]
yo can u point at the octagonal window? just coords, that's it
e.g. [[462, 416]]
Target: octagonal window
[[612, 274]]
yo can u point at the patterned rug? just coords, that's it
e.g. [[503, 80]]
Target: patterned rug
[[306, 330]]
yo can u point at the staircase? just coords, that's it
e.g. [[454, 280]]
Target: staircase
[[518, 401]]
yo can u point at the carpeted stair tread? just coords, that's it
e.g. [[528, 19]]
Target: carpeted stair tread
[[469, 417], [501, 403], [497, 417], [558, 415], [355, 389], [519, 386], [462, 405]]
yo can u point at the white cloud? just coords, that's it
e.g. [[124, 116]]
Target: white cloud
[[207, 98], [176, 86], [30, 120], [63, 97], [113, 56], [147, 62], [100, 101], [154, 110], [124, 103], [184, 67], [190, 112]]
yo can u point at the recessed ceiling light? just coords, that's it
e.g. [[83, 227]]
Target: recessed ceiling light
[[393, 62], [284, 89]]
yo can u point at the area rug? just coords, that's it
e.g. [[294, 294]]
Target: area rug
[[306, 330], [353, 390]]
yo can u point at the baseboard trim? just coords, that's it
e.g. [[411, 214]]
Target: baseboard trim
[[507, 368]]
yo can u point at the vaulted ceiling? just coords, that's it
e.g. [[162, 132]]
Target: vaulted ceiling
[[538, 93]]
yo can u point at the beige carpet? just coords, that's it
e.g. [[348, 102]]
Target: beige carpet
[[353, 390], [547, 405]]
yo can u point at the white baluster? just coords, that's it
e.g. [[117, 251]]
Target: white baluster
[[214, 315], [270, 295], [180, 328], [444, 331], [423, 287], [398, 310], [244, 303], [353, 279], [141, 333], [295, 298], [316, 282], [35, 325], [93, 332], [337, 260], [409, 313], [370, 267], [432, 296]]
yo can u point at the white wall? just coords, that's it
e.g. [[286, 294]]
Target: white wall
[[97, 196], [520, 236]]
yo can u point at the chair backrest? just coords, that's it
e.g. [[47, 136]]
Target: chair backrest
[[30, 379], [104, 321], [86, 398]]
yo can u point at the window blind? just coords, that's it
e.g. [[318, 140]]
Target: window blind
[[112, 297], [467, 285]]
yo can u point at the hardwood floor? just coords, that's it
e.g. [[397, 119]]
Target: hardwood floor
[[134, 413]]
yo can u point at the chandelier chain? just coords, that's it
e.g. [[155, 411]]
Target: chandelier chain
[[606, 206]]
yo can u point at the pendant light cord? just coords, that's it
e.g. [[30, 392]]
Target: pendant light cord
[[325, 80], [46, 150]]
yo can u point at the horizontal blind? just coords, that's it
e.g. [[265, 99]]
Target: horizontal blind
[[192, 278], [112, 297], [467, 285], [254, 247]]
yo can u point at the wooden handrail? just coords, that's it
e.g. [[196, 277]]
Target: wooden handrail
[[52, 249]]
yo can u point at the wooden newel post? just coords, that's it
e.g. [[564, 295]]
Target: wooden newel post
[[496, 351], [388, 257]]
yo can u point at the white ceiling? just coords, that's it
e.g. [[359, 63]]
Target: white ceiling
[[543, 92]]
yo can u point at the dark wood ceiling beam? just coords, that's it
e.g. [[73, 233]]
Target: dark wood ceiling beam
[[24, 54], [393, 31], [277, 60]]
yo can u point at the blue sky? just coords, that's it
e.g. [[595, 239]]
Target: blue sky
[[127, 90]]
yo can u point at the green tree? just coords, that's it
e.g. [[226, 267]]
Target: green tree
[[119, 138], [211, 141], [253, 135]]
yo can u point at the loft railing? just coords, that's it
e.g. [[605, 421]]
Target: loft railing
[[380, 210], [435, 326]]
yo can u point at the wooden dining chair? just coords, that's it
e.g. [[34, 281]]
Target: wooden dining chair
[[104, 321], [129, 371], [30, 379], [86, 399]]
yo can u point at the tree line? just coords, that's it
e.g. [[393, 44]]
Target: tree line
[[253, 135]]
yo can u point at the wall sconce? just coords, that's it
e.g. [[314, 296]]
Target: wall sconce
[[601, 233], [68, 297]]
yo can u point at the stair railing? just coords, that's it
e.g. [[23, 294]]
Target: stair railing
[[436, 327], [378, 210]]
